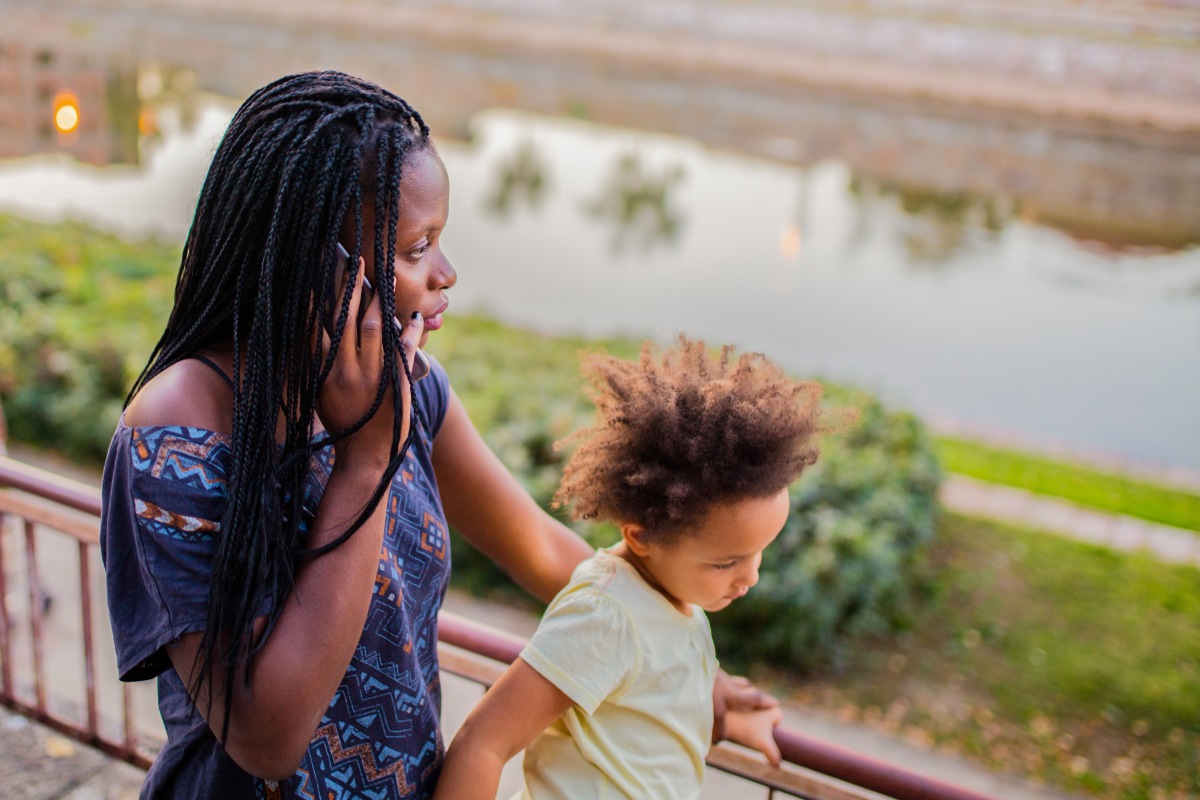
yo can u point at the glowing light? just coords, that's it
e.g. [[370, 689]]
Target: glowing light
[[789, 241], [66, 112], [147, 122]]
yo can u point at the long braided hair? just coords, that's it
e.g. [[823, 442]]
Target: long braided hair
[[299, 155]]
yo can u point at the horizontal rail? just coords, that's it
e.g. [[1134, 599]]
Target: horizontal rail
[[49, 486], [462, 643], [822, 757]]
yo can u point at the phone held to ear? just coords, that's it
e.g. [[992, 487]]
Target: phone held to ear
[[420, 366]]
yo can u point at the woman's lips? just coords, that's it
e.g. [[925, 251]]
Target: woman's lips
[[434, 320]]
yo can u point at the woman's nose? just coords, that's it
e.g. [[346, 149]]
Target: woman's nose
[[443, 275]]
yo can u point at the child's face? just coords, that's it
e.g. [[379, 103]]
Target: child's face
[[717, 561]]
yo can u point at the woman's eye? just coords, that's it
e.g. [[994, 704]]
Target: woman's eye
[[419, 250]]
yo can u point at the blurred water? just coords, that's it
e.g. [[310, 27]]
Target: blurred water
[[957, 309]]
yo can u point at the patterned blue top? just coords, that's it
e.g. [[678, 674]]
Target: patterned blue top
[[164, 490]]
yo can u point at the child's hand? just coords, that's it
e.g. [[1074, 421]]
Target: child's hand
[[735, 694], [754, 729]]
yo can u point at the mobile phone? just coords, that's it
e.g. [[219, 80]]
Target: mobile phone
[[420, 366]]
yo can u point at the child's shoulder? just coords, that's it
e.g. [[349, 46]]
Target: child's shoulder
[[606, 579]]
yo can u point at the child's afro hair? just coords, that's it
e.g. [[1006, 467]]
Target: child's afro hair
[[681, 430]]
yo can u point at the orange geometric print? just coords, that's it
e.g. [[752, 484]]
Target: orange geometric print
[[363, 752], [183, 522]]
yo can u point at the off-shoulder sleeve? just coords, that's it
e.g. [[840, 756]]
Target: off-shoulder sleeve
[[586, 646], [163, 497]]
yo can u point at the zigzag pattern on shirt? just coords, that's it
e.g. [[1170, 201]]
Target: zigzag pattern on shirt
[[390, 709], [384, 718], [363, 757]]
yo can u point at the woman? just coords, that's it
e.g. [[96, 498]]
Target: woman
[[278, 490]]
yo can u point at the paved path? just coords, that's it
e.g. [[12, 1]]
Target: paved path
[[1007, 504], [38, 764]]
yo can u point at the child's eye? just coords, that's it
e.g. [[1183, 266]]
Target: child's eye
[[730, 565]]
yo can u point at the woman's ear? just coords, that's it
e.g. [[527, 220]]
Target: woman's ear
[[635, 538]]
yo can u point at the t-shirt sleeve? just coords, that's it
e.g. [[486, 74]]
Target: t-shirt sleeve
[[164, 494], [433, 396], [586, 646]]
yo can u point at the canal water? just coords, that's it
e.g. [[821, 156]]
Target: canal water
[[966, 306]]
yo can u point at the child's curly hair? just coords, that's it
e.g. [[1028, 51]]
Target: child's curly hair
[[681, 432]]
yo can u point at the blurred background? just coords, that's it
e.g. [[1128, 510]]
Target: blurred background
[[976, 219]]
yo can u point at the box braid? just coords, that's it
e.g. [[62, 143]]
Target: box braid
[[299, 155]]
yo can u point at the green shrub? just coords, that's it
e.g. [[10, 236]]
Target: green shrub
[[80, 312]]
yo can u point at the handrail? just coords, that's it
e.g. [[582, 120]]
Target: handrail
[[475, 638], [803, 751], [47, 485]]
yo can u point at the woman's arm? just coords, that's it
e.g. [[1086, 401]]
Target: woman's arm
[[293, 677], [488, 506], [279, 702], [520, 706]]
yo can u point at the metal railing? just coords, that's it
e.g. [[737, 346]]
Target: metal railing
[[467, 649]]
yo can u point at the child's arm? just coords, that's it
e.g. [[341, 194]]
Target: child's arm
[[521, 705], [754, 729]]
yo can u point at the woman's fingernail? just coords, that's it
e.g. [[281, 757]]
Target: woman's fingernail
[[416, 316]]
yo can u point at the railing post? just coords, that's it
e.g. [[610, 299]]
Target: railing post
[[130, 737], [35, 615], [5, 626], [85, 594]]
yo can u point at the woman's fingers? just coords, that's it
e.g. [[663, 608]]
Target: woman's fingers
[[370, 339], [350, 332], [410, 339]]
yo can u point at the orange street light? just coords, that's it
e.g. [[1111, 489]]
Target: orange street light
[[66, 112]]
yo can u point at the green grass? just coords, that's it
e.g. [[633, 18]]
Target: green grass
[[1043, 656], [1079, 484], [1120, 632]]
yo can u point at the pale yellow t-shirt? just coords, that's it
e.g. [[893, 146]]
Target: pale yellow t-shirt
[[641, 676]]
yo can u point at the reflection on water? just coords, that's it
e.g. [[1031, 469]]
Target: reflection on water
[[638, 203], [954, 303], [937, 225], [957, 306], [521, 181]]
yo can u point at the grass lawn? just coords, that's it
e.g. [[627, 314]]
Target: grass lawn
[[1041, 656], [1073, 482]]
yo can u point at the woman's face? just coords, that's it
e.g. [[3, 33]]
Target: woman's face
[[423, 274]]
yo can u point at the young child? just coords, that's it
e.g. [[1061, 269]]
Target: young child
[[691, 457]]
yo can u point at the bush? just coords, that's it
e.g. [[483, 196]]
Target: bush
[[80, 312]]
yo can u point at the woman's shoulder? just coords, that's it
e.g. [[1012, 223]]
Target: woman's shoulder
[[188, 394]]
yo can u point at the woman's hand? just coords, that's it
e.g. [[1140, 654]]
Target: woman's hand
[[353, 382]]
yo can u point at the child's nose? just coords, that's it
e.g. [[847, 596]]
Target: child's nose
[[750, 578]]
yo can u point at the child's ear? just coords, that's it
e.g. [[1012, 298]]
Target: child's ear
[[635, 538]]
